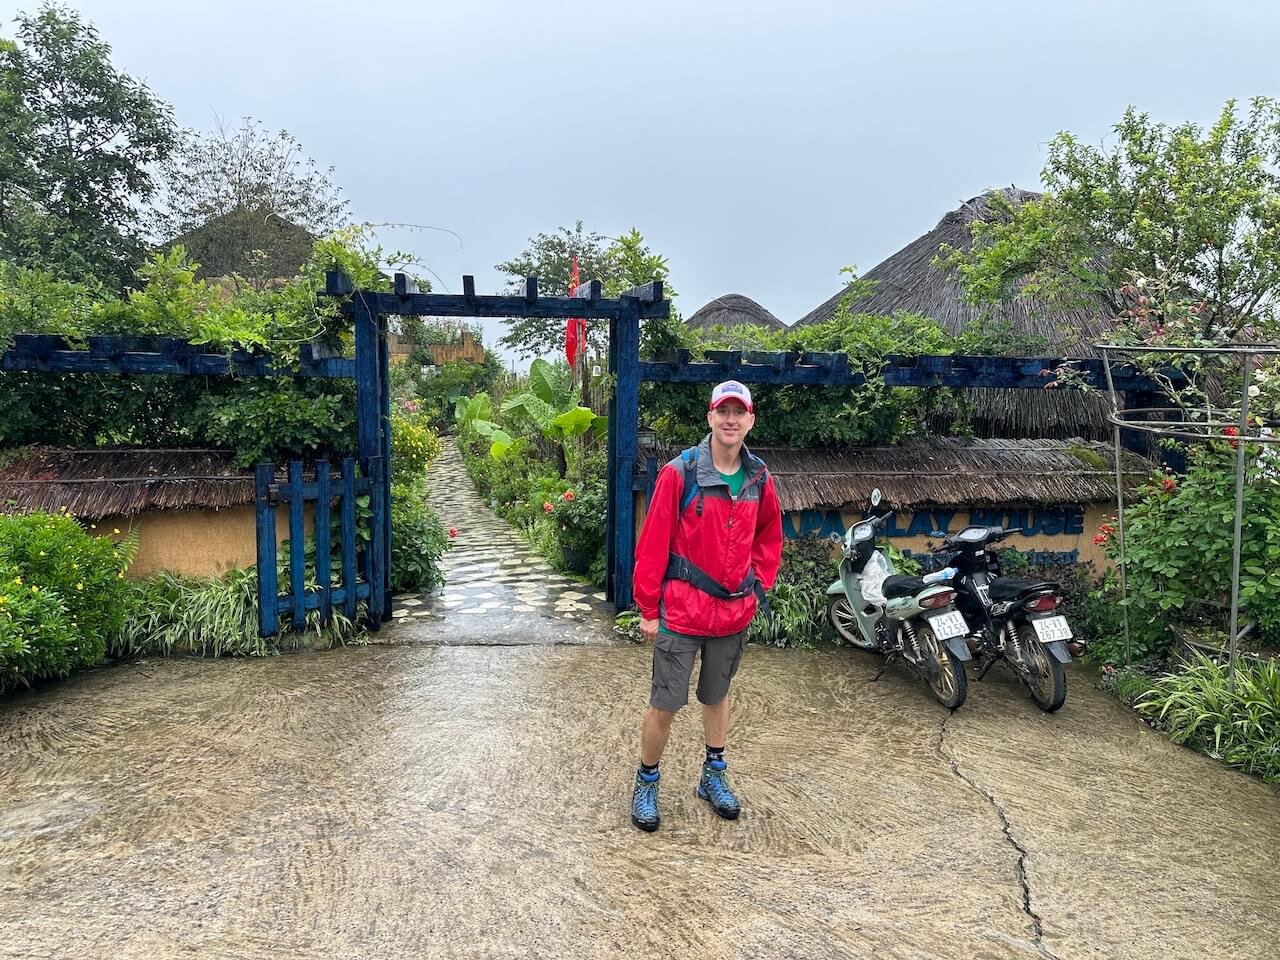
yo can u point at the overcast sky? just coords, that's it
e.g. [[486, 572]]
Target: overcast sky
[[759, 146]]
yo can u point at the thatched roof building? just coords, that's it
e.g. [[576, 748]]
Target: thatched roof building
[[908, 281], [946, 471], [251, 243], [734, 310], [92, 484]]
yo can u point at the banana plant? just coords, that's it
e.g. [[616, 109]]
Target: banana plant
[[551, 406]]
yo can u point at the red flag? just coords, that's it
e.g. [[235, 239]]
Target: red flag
[[575, 331]]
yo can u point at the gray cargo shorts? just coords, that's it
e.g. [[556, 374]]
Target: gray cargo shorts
[[673, 658]]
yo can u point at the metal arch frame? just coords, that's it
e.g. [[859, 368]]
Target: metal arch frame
[[1161, 427]]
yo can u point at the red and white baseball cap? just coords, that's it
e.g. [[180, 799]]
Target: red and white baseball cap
[[731, 390]]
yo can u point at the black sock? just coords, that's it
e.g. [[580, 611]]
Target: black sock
[[714, 753], [649, 769]]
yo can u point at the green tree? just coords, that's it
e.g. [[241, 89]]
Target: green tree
[[88, 136], [619, 264], [1197, 210]]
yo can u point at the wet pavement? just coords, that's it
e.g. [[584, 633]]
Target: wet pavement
[[419, 800], [491, 573], [461, 790]]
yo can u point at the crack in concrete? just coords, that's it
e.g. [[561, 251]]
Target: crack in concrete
[[1037, 925]]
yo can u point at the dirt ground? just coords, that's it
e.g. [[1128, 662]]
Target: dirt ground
[[425, 800]]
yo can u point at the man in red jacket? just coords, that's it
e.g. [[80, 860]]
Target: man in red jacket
[[710, 546]]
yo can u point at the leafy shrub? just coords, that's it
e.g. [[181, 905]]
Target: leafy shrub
[[1241, 727], [278, 420], [1179, 534], [418, 539], [213, 617], [799, 597], [413, 443], [441, 390], [37, 638], [52, 553]]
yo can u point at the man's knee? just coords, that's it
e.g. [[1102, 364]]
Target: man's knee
[[659, 716]]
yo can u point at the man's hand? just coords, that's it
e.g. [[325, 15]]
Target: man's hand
[[649, 629]]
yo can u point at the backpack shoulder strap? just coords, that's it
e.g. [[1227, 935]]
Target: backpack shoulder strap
[[690, 458]]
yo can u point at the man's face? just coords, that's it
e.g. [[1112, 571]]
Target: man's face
[[730, 422]]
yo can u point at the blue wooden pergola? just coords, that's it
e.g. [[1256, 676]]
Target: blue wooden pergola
[[814, 369]]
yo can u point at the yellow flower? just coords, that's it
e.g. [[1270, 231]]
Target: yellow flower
[[116, 530], [79, 586], [93, 526], [42, 553]]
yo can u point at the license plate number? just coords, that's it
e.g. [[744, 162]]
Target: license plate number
[[1052, 628], [948, 625]]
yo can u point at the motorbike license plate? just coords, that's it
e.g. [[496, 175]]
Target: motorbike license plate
[[1052, 628], [948, 625]]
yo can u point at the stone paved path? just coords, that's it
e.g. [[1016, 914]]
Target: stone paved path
[[491, 570]]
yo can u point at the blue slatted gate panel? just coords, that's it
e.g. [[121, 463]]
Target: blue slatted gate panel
[[347, 541]]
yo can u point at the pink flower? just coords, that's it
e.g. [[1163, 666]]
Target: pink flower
[[567, 496], [547, 507], [1169, 484], [453, 533]]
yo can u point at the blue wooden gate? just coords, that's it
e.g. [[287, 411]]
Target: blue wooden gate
[[361, 504], [347, 541]]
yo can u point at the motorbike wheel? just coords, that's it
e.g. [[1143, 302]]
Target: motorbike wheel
[[1049, 690], [844, 621], [951, 685]]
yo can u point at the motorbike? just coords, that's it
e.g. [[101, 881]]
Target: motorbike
[[1016, 619], [912, 619]]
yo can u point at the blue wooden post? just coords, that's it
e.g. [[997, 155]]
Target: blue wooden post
[[369, 440], [377, 549], [322, 541], [263, 476], [624, 430], [297, 548], [348, 508], [384, 390], [611, 491]]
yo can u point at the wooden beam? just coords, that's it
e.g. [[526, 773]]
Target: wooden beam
[[588, 291], [454, 305], [468, 286], [650, 292], [404, 285], [530, 289]]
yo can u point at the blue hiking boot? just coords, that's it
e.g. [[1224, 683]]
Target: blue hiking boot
[[714, 787], [644, 801]]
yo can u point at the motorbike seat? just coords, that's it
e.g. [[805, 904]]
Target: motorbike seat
[[900, 585], [1009, 588]]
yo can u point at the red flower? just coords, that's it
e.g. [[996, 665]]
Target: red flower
[[1107, 529], [567, 496], [453, 533], [1100, 539], [1169, 484], [1233, 432], [547, 507]]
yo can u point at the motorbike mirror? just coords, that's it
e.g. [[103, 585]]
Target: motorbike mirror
[[876, 497], [937, 533], [835, 538]]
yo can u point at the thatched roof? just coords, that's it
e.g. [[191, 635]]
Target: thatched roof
[[908, 281], [734, 310], [947, 471], [92, 484], [233, 242]]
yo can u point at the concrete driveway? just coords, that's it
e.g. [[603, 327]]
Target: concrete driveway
[[420, 800]]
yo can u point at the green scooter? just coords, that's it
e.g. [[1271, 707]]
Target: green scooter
[[912, 619]]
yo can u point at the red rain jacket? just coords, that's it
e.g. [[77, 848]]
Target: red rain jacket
[[729, 538]]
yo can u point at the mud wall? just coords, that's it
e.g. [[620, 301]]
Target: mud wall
[[194, 542]]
